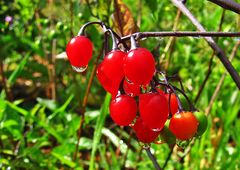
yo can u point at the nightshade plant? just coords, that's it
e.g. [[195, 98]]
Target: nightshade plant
[[142, 96]]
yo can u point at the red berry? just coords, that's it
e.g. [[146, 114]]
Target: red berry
[[110, 71], [139, 66], [79, 51], [183, 125], [130, 88], [153, 110], [109, 85], [113, 65], [173, 102], [123, 110], [143, 132]]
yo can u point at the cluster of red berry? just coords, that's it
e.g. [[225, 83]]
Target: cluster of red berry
[[129, 77]]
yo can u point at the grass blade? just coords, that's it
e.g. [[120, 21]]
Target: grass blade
[[98, 129]]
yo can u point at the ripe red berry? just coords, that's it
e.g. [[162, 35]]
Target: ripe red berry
[[153, 110], [79, 51], [143, 132], [110, 71], [139, 66], [130, 88], [183, 125], [123, 110], [113, 65], [173, 102], [108, 84]]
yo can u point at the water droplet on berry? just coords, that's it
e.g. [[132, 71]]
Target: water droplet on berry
[[80, 69], [157, 129], [131, 94]]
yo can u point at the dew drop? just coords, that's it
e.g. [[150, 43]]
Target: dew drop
[[131, 94], [80, 69], [157, 130]]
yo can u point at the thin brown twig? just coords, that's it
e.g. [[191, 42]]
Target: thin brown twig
[[220, 83], [171, 39], [218, 51], [84, 103], [71, 17], [209, 71], [201, 33], [139, 15], [171, 42], [52, 70]]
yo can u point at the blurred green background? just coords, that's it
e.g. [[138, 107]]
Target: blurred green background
[[41, 96]]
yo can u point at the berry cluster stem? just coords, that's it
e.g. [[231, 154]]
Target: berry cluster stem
[[153, 159], [180, 108]]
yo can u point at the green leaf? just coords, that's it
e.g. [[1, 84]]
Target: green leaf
[[98, 129], [9, 123], [18, 109], [152, 4], [65, 160], [50, 104], [115, 140], [91, 115], [15, 74], [85, 143], [102, 151], [62, 108], [115, 163], [2, 108], [52, 131]]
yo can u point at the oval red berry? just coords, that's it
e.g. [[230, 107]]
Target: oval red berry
[[143, 132], [139, 66], [123, 110], [153, 109], [79, 51]]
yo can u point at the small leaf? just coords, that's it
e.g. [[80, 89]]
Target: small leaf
[[9, 123], [65, 160], [17, 72], [18, 109], [85, 143], [123, 21], [152, 4], [115, 140], [50, 104], [62, 108]]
